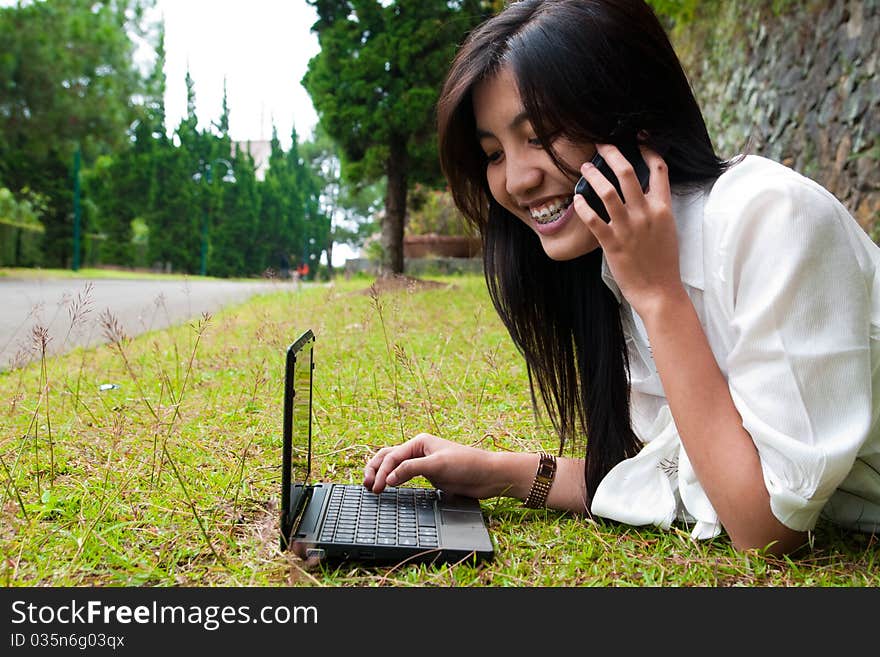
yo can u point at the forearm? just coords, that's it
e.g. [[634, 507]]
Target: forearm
[[515, 472], [720, 450]]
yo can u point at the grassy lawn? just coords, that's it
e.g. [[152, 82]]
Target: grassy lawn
[[173, 477], [93, 273], [86, 272]]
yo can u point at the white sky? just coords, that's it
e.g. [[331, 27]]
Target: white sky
[[261, 47]]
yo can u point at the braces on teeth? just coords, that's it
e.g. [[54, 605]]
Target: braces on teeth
[[550, 213]]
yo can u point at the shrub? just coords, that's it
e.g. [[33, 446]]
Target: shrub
[[433, 212]]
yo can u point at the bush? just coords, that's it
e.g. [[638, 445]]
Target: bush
[[21, 232], [431, 211]]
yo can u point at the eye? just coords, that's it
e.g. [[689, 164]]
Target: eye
[[494, 156], [534, 141]]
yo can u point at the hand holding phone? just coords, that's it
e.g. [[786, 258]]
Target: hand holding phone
[[634, 156]]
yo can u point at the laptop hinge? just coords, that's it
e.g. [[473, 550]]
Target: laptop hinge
[[299, 497]]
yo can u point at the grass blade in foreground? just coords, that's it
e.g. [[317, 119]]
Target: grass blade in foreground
[[172, 478]]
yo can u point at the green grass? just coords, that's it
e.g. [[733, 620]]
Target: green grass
[[97, 273], [173, 478], [86, 272]]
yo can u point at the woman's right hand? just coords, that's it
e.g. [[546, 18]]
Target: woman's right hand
[[449, 466]]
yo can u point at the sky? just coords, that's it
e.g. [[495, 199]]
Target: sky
[[261, 48]]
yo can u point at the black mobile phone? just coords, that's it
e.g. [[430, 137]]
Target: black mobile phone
[[586, 190]]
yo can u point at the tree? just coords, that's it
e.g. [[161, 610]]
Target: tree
[[236, 248], [175, 212], [282, 211], [374, 85], [122, 187], [67, 83], [151, 147], [316, 223], [349, 208]]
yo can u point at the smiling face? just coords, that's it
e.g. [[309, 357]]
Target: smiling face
[[522, 176]]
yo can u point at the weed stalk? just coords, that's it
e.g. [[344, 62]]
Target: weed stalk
[[377, 304]]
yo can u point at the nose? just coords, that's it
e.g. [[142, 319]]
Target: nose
[[522, 175]]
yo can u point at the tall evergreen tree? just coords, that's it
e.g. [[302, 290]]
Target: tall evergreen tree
[[178, 213], [235, 224], [315, 223], [223, 124], [216, 173], [374, 85], [122, 187], [152, 146], [345, 217], [281, 213], [67, 84]]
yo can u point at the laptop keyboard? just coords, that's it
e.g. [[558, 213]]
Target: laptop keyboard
[[397, 516]]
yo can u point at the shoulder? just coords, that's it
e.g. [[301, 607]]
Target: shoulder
[[755, 182], [765, 223], [761, 203]]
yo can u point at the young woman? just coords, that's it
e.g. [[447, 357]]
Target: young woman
[[715, 342]]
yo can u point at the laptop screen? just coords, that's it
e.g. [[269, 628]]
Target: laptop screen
[[300, 365], [296, 459], [302, 413]]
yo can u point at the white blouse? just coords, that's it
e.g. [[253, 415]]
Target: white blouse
[[785, 283]]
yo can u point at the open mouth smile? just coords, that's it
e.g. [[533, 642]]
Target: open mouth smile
[[551, 212]]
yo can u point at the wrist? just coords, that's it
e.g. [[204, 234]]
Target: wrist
[[514, 473], [670, 305]]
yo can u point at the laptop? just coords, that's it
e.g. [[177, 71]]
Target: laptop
[[346, 522]]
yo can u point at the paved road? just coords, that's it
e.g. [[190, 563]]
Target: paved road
[[138, 305]]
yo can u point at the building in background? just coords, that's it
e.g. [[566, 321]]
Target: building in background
[[259, 150]]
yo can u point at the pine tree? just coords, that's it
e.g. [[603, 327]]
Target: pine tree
[[280, 215], [180, 205], [374, 85], [67, 84]]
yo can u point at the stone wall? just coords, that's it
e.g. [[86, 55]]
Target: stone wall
[[798, 80]]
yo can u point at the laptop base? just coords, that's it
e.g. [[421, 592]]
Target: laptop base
[[442, 530]]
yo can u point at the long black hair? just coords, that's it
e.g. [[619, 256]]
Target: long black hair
[[595, 71]]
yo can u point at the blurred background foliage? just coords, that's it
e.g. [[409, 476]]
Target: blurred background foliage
[[89, 166]]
